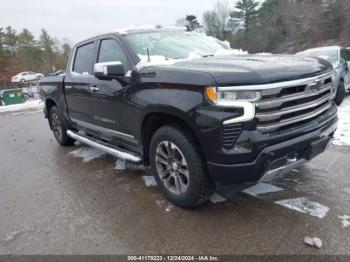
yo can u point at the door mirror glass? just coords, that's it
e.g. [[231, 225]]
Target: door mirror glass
[[109, 69]]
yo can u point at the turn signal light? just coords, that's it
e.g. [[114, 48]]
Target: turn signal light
[[211, 93]]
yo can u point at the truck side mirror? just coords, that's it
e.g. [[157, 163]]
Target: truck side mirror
[[109, 69]]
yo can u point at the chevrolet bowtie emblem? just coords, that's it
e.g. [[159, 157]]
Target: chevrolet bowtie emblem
[[316, 86]]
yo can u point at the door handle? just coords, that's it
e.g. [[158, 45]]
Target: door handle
[[94, 89], [68, 87]]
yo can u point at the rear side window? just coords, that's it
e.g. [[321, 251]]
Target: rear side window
[[83, 59], [111, 51]]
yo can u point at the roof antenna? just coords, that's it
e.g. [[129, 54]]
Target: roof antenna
[[149, 59]]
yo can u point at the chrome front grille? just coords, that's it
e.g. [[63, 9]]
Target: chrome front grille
[[289, 103]]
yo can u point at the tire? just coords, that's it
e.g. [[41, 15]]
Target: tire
[[193, 186], [40, 77], [58, 128], [339, 97]]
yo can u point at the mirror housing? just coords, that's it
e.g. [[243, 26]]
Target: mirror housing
[[109, 69]]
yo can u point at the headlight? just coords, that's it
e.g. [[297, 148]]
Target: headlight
[[235, 99], [222, 97]]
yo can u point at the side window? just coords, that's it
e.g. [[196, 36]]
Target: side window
[[110, 51], [83, 59]]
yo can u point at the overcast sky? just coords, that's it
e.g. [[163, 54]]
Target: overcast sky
[[79, 19]]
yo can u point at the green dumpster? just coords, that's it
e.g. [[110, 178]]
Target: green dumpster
[[13, 96]]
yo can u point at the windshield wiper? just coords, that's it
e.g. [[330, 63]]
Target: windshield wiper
[[209, 55]]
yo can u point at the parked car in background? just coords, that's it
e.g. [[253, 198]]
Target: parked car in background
[[339, 57], [26, 77]]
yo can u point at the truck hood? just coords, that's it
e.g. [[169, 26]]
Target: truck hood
[[252, 69]]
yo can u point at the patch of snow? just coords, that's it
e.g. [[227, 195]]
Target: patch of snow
[[169, 208], [34, 104], [120, 164], [11, 236], [313, 241], [305, 206], [342, 135], [262, 188], [87, 153], [124, 30], [230, 52], [149, 181], [216, 198], [345, 220], [154, 60]]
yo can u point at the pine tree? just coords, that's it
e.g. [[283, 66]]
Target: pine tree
[[247, 11]]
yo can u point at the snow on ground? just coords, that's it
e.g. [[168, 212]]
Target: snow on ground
[[303, 205], [34, 104], [216, 198], [87, 153], [342, 135], [262, 188], [149, 181], [345, 220]]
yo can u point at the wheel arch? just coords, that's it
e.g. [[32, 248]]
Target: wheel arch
[[153, 119]]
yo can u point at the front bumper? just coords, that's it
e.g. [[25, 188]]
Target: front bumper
[[272, 161]]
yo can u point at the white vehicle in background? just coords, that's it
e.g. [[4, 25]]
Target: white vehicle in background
[[26, 77], [339, 57]]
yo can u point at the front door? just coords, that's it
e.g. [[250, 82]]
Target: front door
[[111, 101], [77, 84]]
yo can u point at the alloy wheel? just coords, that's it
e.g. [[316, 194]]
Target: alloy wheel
[[56, 126], [172, 167]]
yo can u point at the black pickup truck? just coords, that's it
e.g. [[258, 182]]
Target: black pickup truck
[[203, 118]]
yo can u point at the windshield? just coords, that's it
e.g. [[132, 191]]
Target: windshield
[[329, 55], [175, 45]]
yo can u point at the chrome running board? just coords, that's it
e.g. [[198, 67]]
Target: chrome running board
[[110, 150]]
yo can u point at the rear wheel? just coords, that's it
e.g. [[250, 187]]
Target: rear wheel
[[58, 128], [179, 167], [340, 93]]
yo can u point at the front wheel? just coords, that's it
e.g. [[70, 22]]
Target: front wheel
[[179, 168], [58, 128], [340, 94]]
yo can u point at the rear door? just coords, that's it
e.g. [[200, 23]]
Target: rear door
[[112, 105], [77, 82]]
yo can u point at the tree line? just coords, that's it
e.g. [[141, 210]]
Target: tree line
[[277, 26], [21, 51]]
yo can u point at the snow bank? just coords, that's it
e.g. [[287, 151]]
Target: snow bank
[[342, 135], [35, 104]]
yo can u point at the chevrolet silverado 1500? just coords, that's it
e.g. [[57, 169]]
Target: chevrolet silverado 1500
[[203, 118]]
